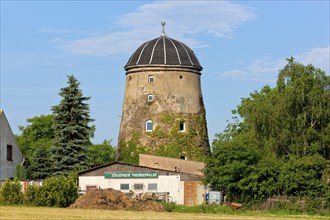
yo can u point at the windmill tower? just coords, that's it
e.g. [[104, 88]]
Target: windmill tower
[[163, 111]]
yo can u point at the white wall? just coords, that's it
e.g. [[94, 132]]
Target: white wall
[[171, 184]]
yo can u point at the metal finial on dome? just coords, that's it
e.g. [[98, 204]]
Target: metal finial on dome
[[163, 27]]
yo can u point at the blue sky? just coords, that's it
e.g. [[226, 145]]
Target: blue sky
[[240, 44]]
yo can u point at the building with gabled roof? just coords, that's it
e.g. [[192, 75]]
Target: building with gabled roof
[[180, 187], [10, 154]]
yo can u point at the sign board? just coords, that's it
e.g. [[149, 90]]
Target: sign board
[[117, 175]]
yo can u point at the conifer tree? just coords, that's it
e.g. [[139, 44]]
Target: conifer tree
[[72, 132], [40, 165]]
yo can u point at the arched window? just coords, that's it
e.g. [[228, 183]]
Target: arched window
[[182, 126], [149, 125], [151, 98], [151, 79]]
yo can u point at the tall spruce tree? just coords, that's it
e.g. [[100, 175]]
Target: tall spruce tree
[[72, 132]]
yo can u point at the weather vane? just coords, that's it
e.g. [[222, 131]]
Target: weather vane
[[163, 27]]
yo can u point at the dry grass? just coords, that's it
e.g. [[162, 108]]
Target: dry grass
[[43, 213]]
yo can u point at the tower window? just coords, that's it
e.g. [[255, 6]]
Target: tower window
[[151, 98], [182, 126], [149, 125], [180, 77], [151, 79], [10, 152]]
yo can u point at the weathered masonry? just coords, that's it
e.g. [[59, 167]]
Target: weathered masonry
[[163, 111]]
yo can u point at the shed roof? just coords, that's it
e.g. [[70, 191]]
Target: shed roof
[[103, 167]]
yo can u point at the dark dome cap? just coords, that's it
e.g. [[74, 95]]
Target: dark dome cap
[[164, 52]]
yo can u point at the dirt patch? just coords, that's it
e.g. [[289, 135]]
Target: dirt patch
[[113, 200]]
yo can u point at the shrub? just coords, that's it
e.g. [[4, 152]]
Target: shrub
[[169, 207], [58, 191], [10, 192], [20, 172], [32, 194]]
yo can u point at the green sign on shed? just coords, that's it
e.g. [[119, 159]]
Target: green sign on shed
[[121, 175]]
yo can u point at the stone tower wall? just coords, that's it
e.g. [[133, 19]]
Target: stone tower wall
[[177, 97]]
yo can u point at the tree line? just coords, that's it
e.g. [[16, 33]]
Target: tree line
[[278, 142]]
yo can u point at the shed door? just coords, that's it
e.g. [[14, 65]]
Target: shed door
[[190, 189]]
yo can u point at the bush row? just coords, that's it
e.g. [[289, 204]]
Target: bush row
[[58, 191]]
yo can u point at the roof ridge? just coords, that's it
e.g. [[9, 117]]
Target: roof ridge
[[176, 49], [153, 50], [142, 52]]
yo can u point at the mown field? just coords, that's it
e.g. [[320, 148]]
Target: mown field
[[45, 213]]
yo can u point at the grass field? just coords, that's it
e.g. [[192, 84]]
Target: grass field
[[41, 213]]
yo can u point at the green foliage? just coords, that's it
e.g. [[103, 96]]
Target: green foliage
[[38, 132], [129, 151], [58, 191], [72, 132], [279, 142], [231, 164], [300, 176], [171, 142], [40, 167], [101, 153], [10, 192], [182, 143], [20, 172], [32, 195]]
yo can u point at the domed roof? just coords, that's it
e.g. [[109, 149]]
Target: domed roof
[[163, 51]]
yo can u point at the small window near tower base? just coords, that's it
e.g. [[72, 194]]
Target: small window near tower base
[[182, 126], [149, 125], [151, 98], [151, 79]]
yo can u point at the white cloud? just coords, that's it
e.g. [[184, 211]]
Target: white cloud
[[319, 57], [185, 20], [266, 69]]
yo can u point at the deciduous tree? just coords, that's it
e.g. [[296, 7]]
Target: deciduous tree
[[101, 153], [279, 142]]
